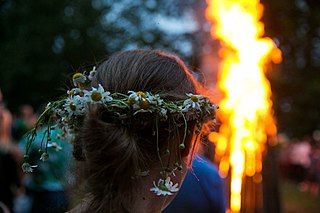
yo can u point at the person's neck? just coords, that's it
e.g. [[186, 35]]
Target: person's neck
[[147, 201]]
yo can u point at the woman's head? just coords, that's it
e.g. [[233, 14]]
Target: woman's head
[[133, 125], [119, 154], [144, 70]]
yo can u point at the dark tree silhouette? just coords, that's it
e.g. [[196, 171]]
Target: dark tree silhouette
[[296, 82], [44, 42]]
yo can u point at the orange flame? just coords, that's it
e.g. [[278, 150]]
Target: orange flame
[[246, 109]]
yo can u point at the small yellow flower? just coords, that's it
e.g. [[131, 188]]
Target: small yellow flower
[[77, 75], [78, 78]]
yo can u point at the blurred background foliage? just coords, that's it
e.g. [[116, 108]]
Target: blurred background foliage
[[295, 26], [44, 42]]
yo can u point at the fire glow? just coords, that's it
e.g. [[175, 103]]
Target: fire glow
[[246, 108]]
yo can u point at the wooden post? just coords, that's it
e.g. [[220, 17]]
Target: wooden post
[[271, 194]]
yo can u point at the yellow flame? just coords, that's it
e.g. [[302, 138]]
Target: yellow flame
[[246, 109]]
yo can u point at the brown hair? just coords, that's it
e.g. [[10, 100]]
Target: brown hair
[[115, 152]]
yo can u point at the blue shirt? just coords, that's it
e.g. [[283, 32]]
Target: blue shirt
[[202, 190], [51, 175]]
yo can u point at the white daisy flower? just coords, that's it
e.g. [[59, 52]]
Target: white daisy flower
[[170, 186], [98, 95], [154, 99], [194, 102], [27, 168], [139, 101], [75, 105], [193, 106], [164, 187], [56, 146], [74, 92], [137, 96], [70, 106]]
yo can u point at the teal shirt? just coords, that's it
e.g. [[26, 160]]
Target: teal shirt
[[53, 174]]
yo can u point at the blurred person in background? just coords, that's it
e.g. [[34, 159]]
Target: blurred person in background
[[300, 161], [25, 121], [47, 185], [10, 160], [311, 184]]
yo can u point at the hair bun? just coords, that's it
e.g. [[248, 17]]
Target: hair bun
[[110, 149]]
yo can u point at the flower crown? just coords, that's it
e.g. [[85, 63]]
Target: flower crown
[[68, 114]]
